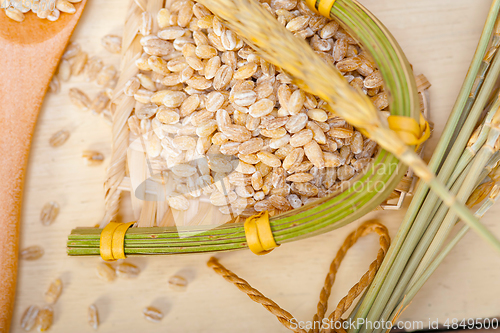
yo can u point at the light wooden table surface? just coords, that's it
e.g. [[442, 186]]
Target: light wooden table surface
[[439, 38]]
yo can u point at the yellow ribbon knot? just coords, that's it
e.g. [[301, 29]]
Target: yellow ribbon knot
[[410, 131], [113, 240], [258, 233], [324, 6]]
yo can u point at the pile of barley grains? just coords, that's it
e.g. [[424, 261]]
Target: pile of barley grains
[[204, 95], [44, 9]]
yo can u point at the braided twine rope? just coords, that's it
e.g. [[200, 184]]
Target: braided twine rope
[[284, 317]]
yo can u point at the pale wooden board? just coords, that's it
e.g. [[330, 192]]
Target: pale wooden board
[[439, 38]]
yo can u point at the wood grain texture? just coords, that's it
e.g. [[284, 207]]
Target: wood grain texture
[[30, 52], [439, 38]]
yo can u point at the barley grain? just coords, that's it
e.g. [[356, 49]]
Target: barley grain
[[92, 158], [207, 128], [340, 49], [127, 270], [318, 134], [222, 77], [263, 205], [53, 291], [28, 319], [212, 66], [105, 272], [112, 43], [314, 153], [93, 316], [274, 134], [49, 213], [199, 82], [348, 64], [65, 6], [14, 14], [99, 103], [269, 159], [374, 80], [44, 318], [64, 70], [341, 133], [317, 115], [301, 138], [59, 138], [381, 101], [146, 23], [244, 168], [92, 68], [33, 252], [54, 85], [279, 202], [163, 18], [300, 177], [301, 167], [152, 314], [77, 63], [306, 189], [106, 75], [332, 159], [43, 14], [296, 102], [177, 283]]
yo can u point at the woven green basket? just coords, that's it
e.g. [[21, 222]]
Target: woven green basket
[[323, 215]]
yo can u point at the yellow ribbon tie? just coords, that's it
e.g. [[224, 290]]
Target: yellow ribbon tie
[[412, 133], [324, 6], [112, 241], [258, 233]]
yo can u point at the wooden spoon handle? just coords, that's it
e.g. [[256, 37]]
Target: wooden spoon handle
[[26, 72], [29, 52]]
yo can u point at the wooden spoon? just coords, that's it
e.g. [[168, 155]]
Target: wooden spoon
[[29, 54]]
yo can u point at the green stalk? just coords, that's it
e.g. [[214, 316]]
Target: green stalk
[[438, 229], [476, 142], [442, 147], [425, 276], [479, 164], [421, 279], [437, 218], [493, 49], [422, 247], [409, 157], [433, 229], [412, 265]]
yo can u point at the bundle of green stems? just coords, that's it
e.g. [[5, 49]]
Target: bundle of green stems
[[466, 159]]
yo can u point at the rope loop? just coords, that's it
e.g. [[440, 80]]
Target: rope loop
[[289, 321]]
